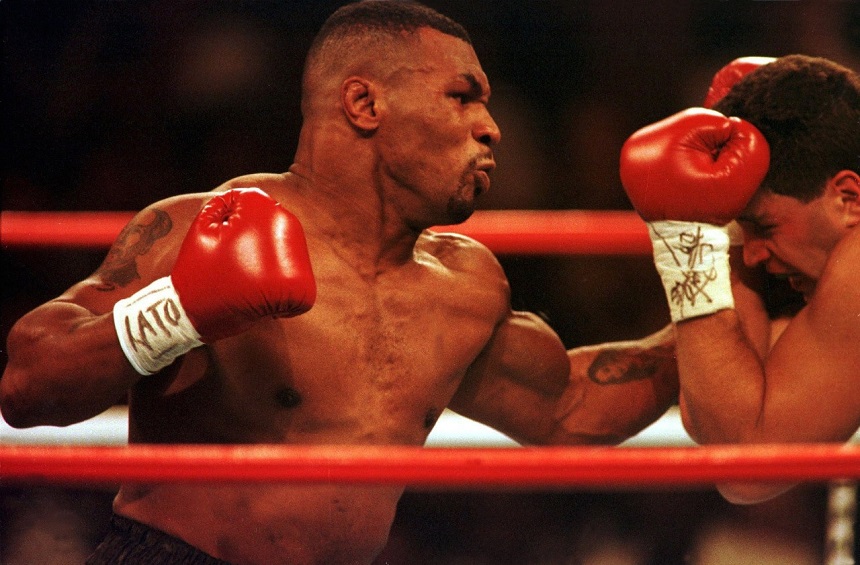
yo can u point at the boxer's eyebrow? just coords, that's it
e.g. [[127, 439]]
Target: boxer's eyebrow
[[759, 223], [476, 87]]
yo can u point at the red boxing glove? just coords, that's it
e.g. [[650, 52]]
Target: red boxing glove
[[243, 259], [729, 75], [683, 175], [696, 165]]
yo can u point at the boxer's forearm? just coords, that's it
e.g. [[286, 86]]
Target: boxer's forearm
[[721, 377], [747, 289], [65, 365], [617, 389]]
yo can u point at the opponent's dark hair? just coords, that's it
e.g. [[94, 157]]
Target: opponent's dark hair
[[808, 109], [384, 16]]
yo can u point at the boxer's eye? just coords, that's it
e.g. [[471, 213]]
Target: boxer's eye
[[763, 230], [756, 227]]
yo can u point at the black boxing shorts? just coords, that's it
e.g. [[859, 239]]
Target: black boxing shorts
[[131, 543]]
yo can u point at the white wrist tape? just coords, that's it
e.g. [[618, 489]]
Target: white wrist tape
[[153, 328], [693, 261]]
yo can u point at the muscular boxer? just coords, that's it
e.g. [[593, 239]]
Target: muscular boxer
[[315, 307], [786, 166]]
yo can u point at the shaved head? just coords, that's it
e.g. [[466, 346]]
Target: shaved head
[[365, 38]]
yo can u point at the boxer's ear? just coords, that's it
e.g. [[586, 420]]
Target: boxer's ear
[[358, 99], [843, 189]]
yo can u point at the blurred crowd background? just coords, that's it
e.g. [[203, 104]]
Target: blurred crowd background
[[113, 104]]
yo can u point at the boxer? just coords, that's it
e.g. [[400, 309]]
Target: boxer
[[316, 307], [779, 153]]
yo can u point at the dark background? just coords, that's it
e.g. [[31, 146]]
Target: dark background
[[111, 105]]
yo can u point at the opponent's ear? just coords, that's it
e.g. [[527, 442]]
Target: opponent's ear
[[845, 187], [358, 99]]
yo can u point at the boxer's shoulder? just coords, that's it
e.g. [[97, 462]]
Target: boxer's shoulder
[[267, 182], [458, 252], [841, 264]]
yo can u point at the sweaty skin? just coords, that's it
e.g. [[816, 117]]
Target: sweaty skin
[[777, 367], [406, 322], [374, 362]]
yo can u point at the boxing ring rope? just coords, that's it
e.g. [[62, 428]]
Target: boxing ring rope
[[525, 232], [526, 467], [528, 232]]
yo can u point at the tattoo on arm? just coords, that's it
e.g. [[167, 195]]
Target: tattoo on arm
[[120, 266], [619, 367]]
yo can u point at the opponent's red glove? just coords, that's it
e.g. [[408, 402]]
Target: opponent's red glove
[[696, 165], [688, 176], [729, 75], [244, 258]]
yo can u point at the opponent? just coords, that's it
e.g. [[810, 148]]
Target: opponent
[[315, 307], [786, 165]]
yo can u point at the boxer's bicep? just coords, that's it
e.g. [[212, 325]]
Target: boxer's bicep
[[514, 385]]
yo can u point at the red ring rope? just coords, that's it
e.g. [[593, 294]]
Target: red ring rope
[[527, 232], [61, 229], [528, 467]]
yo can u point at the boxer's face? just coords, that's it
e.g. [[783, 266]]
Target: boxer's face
[[789, 237], [437, 136]]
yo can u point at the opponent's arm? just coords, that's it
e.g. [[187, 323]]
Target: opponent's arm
[[688, 176], [803, 390], [526, 385], [747, 284], [733, 387], [170, 283]]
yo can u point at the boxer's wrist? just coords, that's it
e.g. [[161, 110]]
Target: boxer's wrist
[[693, 262], [153, 328]]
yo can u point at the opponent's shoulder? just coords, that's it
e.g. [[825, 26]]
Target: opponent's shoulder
[[842, 263], [837, 294], [459, 252]]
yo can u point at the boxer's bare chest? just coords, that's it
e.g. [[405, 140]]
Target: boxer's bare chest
[[383, 356], [376, 360]]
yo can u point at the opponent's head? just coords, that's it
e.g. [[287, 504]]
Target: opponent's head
[[808, 109]]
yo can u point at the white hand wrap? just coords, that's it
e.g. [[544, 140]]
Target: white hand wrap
[[693, 261], [153, 328]]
